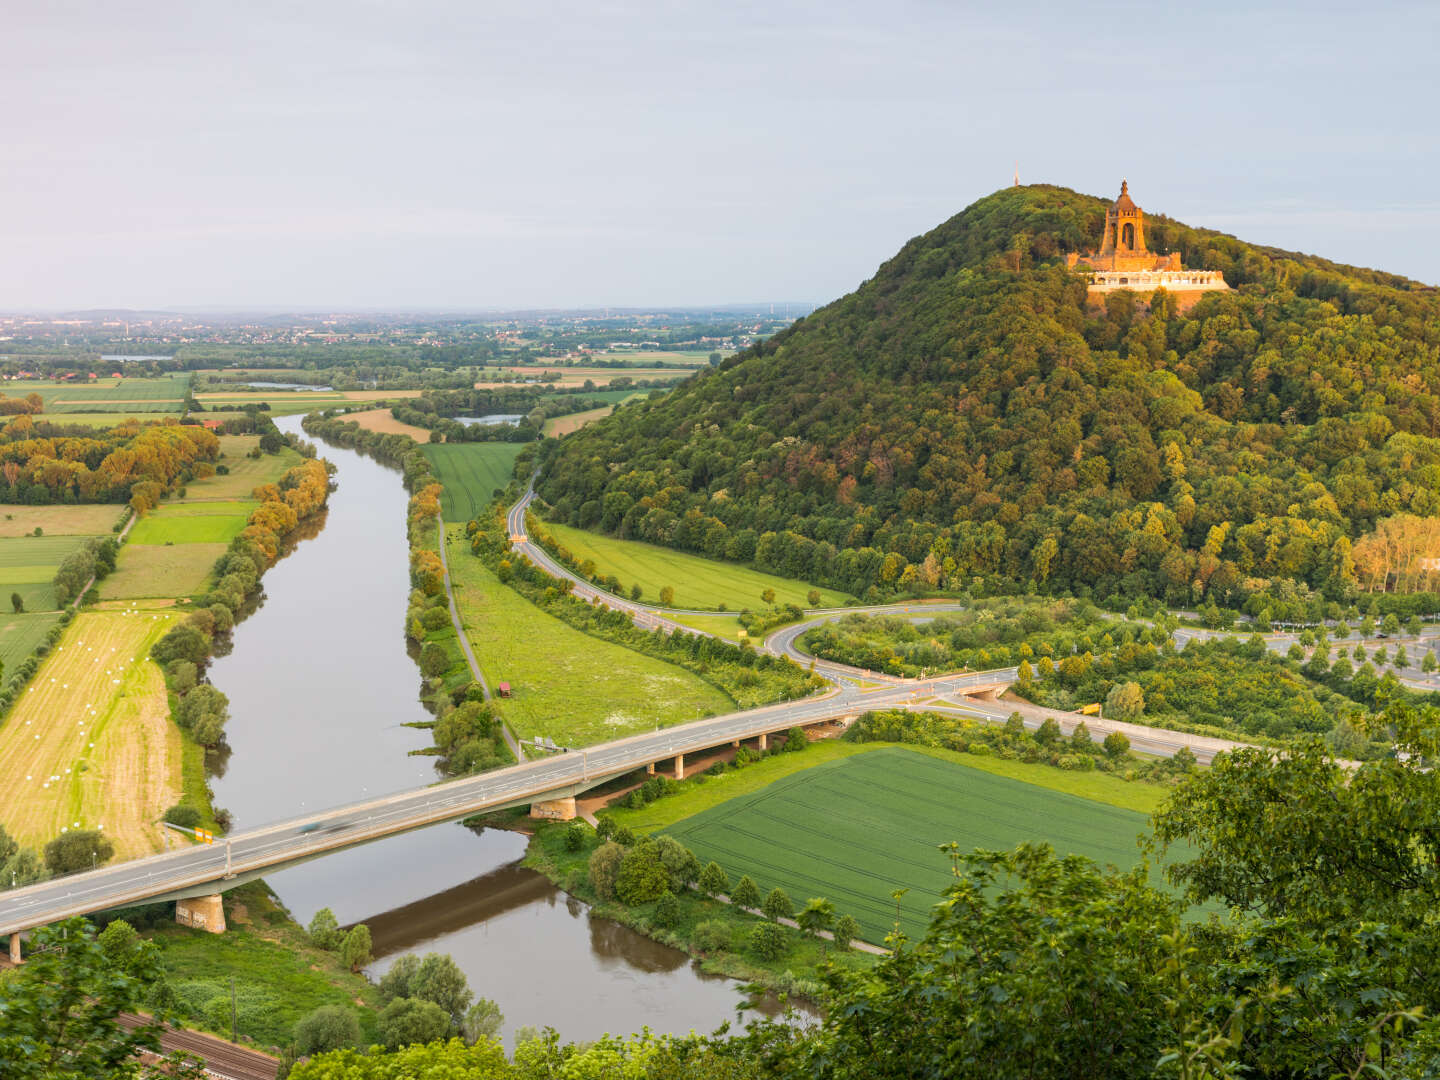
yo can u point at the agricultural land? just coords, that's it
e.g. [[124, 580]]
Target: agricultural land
[[383, 421], [470, 473], [564, 425], [572, 687], [699, 583], [90, 743], [856, 829]]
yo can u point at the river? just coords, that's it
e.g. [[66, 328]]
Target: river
[[320, 687]]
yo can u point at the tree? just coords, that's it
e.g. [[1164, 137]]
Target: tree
[[406, 1021], [355, 947], [846, 930], [777, 905], [1402, 657], [713, 880], [576, 833], [434, 660], [452, 1060], [667, 596], [746, 894], [1048, 734], [667, 911], [636, 592], [768, 596], [17, 603], [396, 982], [1428, 664], [325, 930], [1116, 745], [642, 876], [1126, 701], [818, 914], [120, 944], [330, 1027], [813, 598], [604, 868], [714, 359], [711, 936], [769, 941], [1080, 738], [59, 1013], [439, 979], [1390, 625], [78, 849], [483, 1020], [1024, 674]]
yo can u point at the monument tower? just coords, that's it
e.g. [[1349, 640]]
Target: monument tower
[[1124, 262]]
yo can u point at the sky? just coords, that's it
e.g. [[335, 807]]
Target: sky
[[429, 154]]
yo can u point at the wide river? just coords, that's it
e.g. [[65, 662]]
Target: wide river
[[320, 686]]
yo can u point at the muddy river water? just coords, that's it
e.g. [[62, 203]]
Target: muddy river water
[[320, 688]]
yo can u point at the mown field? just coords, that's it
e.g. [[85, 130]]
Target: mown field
[[58, 520], [699, 583], [856, 829], [383, 421], [470, 473], [575, 688], [90, 742], [149, 571], [564, 425]]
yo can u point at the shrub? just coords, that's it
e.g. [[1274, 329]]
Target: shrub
[[846, 930], [406, 1021], [187, 817], [768, 941], [642, 877], [324, 929], [355, 947], [435, 618], [575, 836], [667, 911], [78, 849], [712, 935], [605, 868], [434, 660], [330, 1027]]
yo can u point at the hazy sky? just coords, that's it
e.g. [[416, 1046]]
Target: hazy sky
[[323, 154]]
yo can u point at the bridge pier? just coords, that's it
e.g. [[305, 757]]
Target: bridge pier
[[762, 742], [15, 957], [554, 809], [679, 766], [202, 913], [650, 768]]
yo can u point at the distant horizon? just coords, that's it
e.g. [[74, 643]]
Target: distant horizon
[[443, 156]]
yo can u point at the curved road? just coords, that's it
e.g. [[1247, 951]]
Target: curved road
[[244, 855]]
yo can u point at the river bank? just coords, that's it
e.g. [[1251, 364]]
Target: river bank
[[321, 689]]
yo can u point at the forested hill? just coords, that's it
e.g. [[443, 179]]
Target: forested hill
[[961, 415]]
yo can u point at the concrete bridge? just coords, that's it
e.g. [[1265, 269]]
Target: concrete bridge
[[195, 876]]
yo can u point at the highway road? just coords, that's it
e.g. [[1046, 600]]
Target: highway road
[[244, 855]]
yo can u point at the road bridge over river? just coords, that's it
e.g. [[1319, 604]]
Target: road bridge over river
[[549, 783]]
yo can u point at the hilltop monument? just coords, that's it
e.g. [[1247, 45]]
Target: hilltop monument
[[1124, 262]]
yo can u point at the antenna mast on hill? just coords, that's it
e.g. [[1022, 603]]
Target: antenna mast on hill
[[1017, 174]]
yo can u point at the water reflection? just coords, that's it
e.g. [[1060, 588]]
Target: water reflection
[[320, 685]]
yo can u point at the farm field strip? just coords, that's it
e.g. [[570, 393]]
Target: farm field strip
[[382, 421], [856, 829], [21, 521], [698, 582], [575, 688], [158, 528], [90, 742], [160, 571], [20, 633], [564, 425], [470, 473]]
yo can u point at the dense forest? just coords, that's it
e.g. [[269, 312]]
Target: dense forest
[[964, 419], [42, 463]]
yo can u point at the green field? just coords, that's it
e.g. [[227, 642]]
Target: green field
[[568, 685], [184, 526], [19, 634], [856, 829], [151, 571], [470, 473], [701, 584], [28, 565], [106, 395]]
